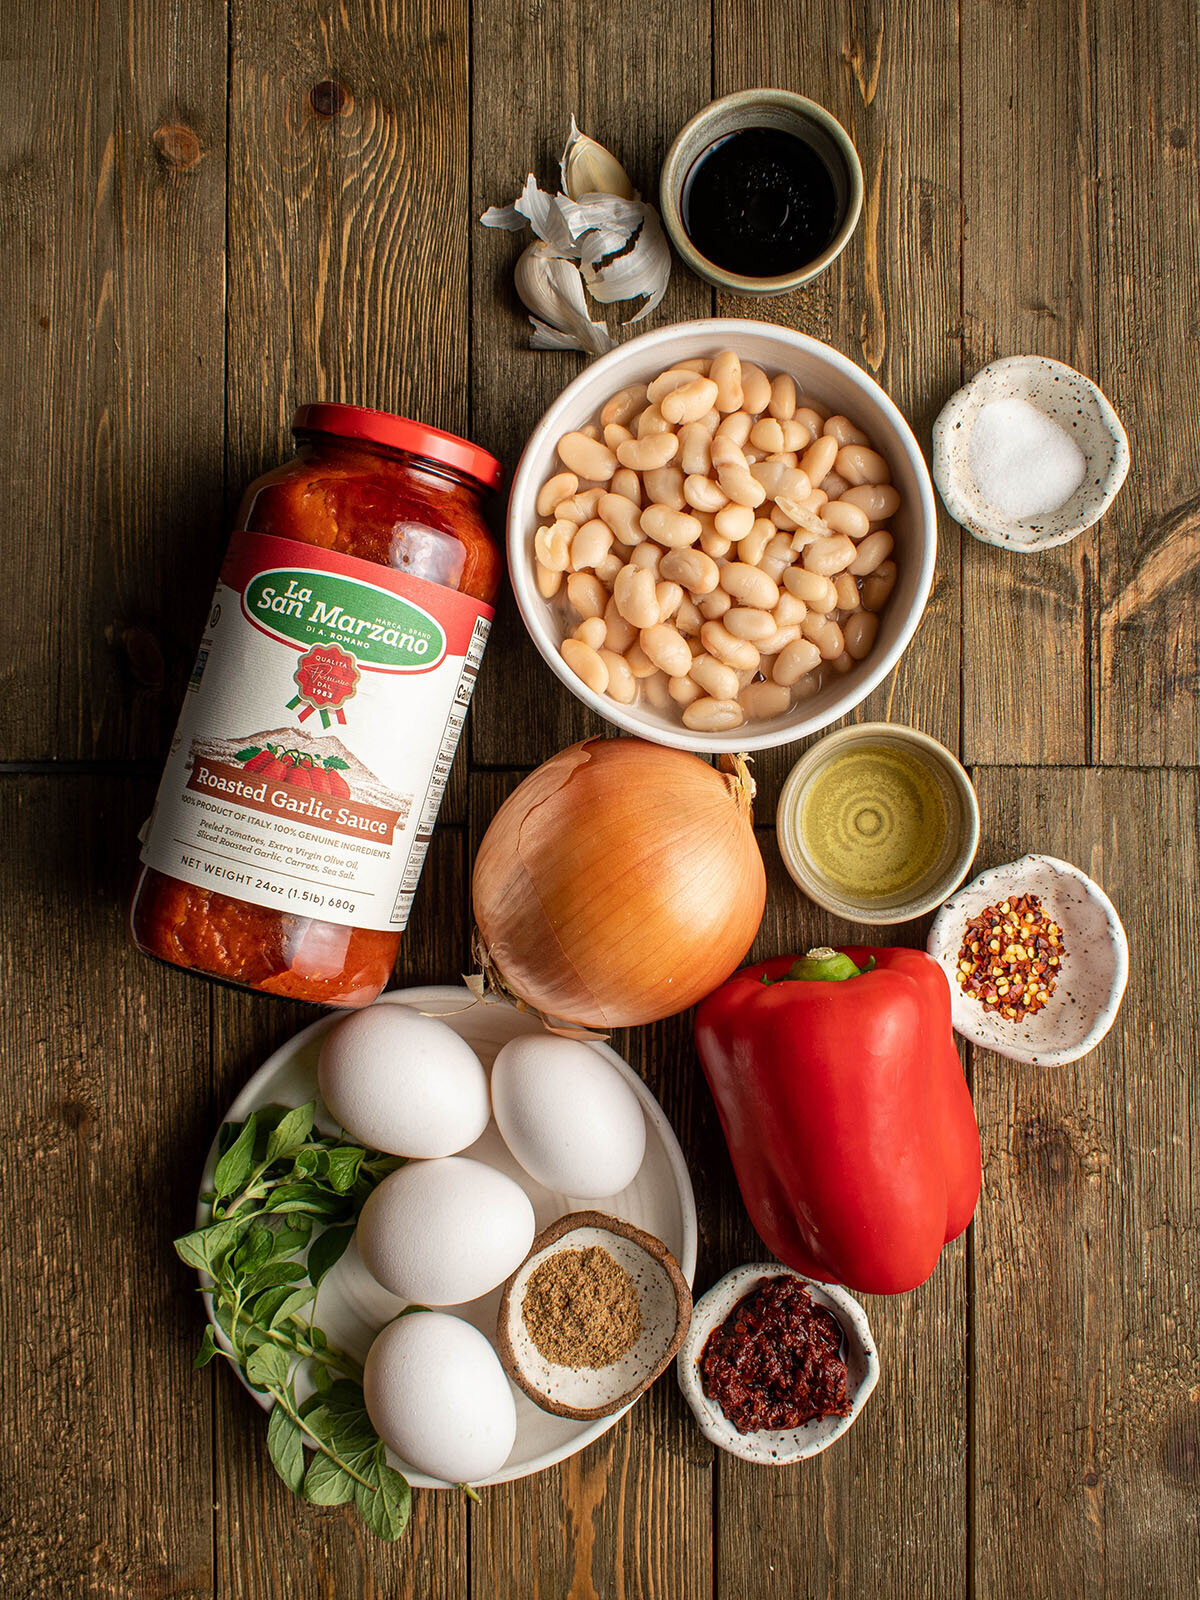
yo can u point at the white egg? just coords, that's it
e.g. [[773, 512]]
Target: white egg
[[437, 1394], [402, 1082], [568, 1117], [443, 1232]]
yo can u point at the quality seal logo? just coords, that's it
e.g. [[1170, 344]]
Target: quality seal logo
[[309, 609], [326, 677]]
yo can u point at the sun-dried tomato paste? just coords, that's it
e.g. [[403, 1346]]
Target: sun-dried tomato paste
[[776, 1362], [323, 677]]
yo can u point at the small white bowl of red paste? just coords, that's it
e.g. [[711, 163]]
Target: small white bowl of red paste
[[776, 1366]]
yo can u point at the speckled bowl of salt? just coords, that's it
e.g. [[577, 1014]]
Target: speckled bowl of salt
[[1028, 454]]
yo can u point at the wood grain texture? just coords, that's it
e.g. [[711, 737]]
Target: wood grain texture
[[889, 73], [1029, 103], [884, 1511], [107, 1474], [630, 1515], [632, 89], [112, 198], [1148, 704], [1087, 1242]]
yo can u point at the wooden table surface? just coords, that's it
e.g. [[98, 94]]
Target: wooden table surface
[[216, 209]]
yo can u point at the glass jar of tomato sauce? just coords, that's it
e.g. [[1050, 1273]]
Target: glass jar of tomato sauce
[[322, 715]]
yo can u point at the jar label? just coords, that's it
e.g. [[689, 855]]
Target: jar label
[[317, 733]]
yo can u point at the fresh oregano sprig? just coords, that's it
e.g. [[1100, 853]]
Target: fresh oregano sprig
[[285, 1200]]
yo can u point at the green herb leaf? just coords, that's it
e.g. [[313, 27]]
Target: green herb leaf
[[236, 1165], [308, 1198], [295, 1301], [327, 1484], [208, 1348], [291, 1237], [308, 1162], [268, 1367], [285, 1441], [385, 1510], [327, 1250], [272, 1274], [254, 1251], [342, 1167], [322, 1378], [290, 1132], [336, 764], [204, 1248]]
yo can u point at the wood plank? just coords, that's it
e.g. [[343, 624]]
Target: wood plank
[[1086, 1255], [106, 1103], [883, 1511], [630, 1515], [269, 1542], [1029, 98], [112, 209], [535, 66], [890, 302], [1149, 548]]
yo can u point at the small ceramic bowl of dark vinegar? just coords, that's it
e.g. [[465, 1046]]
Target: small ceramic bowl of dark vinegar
[[761, 191]]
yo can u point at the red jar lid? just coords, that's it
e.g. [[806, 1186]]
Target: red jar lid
[[401, 433]]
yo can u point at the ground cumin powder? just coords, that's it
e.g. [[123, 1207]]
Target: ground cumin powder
[[581, 1308]]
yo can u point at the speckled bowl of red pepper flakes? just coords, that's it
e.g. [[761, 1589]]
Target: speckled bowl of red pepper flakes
[[1036, 959], [776, 1366]]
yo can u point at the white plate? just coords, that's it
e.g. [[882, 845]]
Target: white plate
[[352, 1307]]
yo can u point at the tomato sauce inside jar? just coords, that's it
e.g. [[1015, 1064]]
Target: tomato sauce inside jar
[[331, 686], [776, 1360]]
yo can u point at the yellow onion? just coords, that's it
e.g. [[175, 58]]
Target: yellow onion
[[619, 883]]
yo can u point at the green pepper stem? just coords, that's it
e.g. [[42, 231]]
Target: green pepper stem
[[822, 965]]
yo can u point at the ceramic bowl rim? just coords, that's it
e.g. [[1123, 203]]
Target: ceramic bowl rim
[[965, 514], [1107, 1013], [791, 849], [713, 1306], [674, 174], [536, 616]]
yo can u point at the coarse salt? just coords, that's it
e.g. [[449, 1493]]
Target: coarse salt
[[1022, 462]]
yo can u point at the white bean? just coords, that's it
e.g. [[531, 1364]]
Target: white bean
[[690, 401], [693, 569], [858, 463], [713, 716], [607, 569], [817, 592], [589, 458], [667, 648], [703, 494], [670, 597], [634, 592], [622, 516], [591, 544], [647, 554], [688, 619], [788, 610], [767, 435], [619, 634], [552, 546], [638, 662], [670, 527], [671, 378], [844, 431], [812, 419], [880, 501], [628, 484], [654, 691], [651, 422], [792, 663], [560, 487], [741, 486], [664, 485], [615, 434], [727, 647], [695, 452], [715, 678], [779, 640], [754, 543], [548, 579], [714, 605], [643, 455], [847, 593], [586, 594], [825, 634], [797, 433], [859, 632], [751, 585], [782, 403], [684, 692], [817, 461], [745, 622], [874, 549], [579, 507], [834, 485], [715, 544], [829, 556], [624, 405], [726, 373], [586, 664], [878, 585], [842, 517], [763, 700], [592, 631], [777, 478], [622, 685], [756, 388]]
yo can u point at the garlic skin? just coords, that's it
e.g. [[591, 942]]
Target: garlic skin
[[552, 289], [595, 232]]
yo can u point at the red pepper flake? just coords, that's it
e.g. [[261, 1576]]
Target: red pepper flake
[[1010, 957], [776, 1362]]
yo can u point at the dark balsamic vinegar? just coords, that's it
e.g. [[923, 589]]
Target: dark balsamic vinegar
[[760, 202]]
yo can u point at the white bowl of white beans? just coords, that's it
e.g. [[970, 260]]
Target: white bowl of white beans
[[721, 535]]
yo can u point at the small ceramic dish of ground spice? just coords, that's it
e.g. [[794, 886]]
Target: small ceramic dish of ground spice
[[592, 1315], [776, 1366], [1036, 959]]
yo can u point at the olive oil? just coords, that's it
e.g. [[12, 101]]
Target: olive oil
[[874, 822], [760, 202]]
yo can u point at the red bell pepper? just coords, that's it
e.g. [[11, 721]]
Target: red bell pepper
[[846, 1111]]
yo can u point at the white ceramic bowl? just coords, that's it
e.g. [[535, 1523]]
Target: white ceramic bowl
[[822, 374], [776, 1448], [352, 1307], [1067, 398], [1094, 969]]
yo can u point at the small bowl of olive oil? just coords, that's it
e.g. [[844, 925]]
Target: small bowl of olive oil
[[761, 191], [878, 823]]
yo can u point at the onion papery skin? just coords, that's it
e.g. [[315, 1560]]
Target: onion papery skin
[[619, 883]]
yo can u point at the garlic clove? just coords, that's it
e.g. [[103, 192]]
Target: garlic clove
[[645, 269], [552, 289], [588, 168]]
